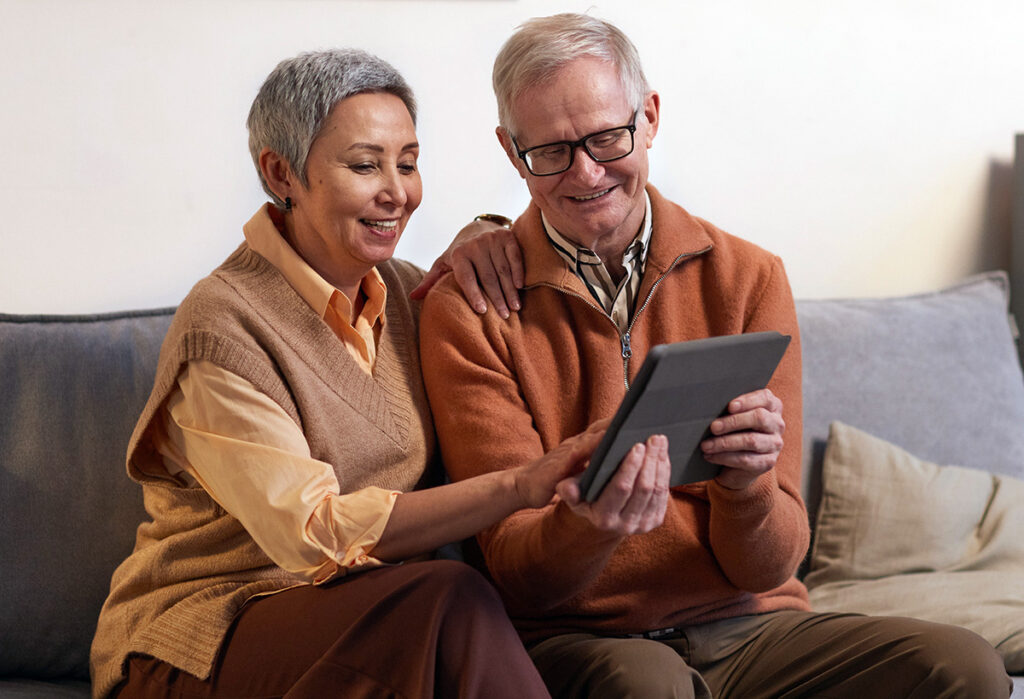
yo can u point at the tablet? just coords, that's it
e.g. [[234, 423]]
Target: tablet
[[679, 390]]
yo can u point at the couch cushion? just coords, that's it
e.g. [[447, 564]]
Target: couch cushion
[[897, 535], [72, 390], [37, 689], [935, 373]]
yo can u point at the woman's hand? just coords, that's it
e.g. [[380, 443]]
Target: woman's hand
[[536, 482], [747, 441], [422, 520], [482, 254]]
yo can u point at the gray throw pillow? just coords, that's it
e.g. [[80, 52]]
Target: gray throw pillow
[[936, 373]]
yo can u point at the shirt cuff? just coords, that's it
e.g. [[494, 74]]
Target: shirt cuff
[[347, 528]]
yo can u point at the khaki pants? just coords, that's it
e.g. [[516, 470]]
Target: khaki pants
[[418, 630], [782, 654]]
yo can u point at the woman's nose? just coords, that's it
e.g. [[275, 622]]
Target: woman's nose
[[393, 189]]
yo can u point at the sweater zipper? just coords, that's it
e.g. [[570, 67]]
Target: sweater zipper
[[624, 338], [627, 350]]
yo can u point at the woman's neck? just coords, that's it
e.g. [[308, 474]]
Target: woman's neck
[[283, 221]]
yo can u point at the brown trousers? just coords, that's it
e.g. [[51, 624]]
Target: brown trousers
[[426, 629], [782, 654]]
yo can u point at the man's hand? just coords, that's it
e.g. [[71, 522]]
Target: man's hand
[[748, 440], [482, 254], [635, 499]]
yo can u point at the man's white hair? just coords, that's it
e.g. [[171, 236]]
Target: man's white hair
[[542, 45]]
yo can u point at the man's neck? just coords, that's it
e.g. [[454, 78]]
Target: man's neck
[[616, 270]]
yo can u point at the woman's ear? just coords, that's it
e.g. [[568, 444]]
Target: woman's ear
[[278, 173]]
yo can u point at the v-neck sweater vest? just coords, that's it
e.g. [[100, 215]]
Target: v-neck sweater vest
[[194, 565]]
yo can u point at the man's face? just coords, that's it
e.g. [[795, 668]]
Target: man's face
[[597, 205]]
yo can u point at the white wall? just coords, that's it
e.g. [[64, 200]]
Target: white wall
[[866, 142]]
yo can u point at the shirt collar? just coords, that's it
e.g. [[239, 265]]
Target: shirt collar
[[576, 255]]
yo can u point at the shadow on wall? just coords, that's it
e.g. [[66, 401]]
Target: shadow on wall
[[1016, 252], [995, 243]]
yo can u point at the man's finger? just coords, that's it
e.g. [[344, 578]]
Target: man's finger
[[763, 398], [757, 420], [643, 498], [743, 441], [615, 496]]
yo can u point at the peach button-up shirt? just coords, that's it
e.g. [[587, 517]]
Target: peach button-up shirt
[[218, 431]]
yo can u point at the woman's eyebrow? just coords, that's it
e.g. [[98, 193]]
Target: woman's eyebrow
[[380, 149]]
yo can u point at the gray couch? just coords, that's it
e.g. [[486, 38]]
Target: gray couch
[[935, 374]]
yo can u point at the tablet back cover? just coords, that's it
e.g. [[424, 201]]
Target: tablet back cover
[[679, 390]]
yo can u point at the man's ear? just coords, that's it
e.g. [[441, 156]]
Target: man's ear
[[510, 150], [278, 173], [652, 110]]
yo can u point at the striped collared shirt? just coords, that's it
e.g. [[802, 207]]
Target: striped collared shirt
[[617, 300]]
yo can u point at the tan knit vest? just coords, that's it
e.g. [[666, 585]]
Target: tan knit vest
[[194, 565]]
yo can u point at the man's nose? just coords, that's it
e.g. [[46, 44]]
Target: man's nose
[[584, 168]]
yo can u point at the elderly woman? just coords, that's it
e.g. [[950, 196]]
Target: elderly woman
[[287, 444]]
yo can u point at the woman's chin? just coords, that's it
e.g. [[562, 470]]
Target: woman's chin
[[379, 249]]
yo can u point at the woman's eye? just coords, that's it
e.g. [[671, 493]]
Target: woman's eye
[[362, 167], [407, 168]]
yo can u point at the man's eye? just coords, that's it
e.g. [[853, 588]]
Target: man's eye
[[605, 140], [551, 153]]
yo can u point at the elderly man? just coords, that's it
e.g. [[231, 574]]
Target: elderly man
[[649, 591]]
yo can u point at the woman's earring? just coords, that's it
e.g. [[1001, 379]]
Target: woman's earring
[[287, 203]]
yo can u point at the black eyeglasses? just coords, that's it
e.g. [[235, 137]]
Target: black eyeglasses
[[602, 147]]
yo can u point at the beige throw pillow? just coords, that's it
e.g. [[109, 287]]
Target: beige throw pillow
[[900, 536]]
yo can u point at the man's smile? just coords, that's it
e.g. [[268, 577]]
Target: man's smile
[[595, 195]]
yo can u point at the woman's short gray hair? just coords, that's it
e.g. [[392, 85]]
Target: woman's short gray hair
[[542, 45], [296, 98]]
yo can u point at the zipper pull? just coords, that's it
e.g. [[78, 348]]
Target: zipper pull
[[627, 350]]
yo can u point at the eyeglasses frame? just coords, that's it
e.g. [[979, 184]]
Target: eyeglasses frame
[[581, 143]]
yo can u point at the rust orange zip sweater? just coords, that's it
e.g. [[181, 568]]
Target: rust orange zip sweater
[[505, 392]]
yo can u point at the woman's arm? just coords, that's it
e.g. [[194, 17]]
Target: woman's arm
[[254, 461], [424, 520]]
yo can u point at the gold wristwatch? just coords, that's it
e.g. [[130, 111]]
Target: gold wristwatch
[[503, 221]]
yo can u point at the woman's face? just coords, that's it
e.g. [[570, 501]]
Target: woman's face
[[363, 186]]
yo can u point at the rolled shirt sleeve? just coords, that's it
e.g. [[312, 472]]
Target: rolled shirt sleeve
[[221, 433]]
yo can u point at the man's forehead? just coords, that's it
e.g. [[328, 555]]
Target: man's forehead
[[585, 95]]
